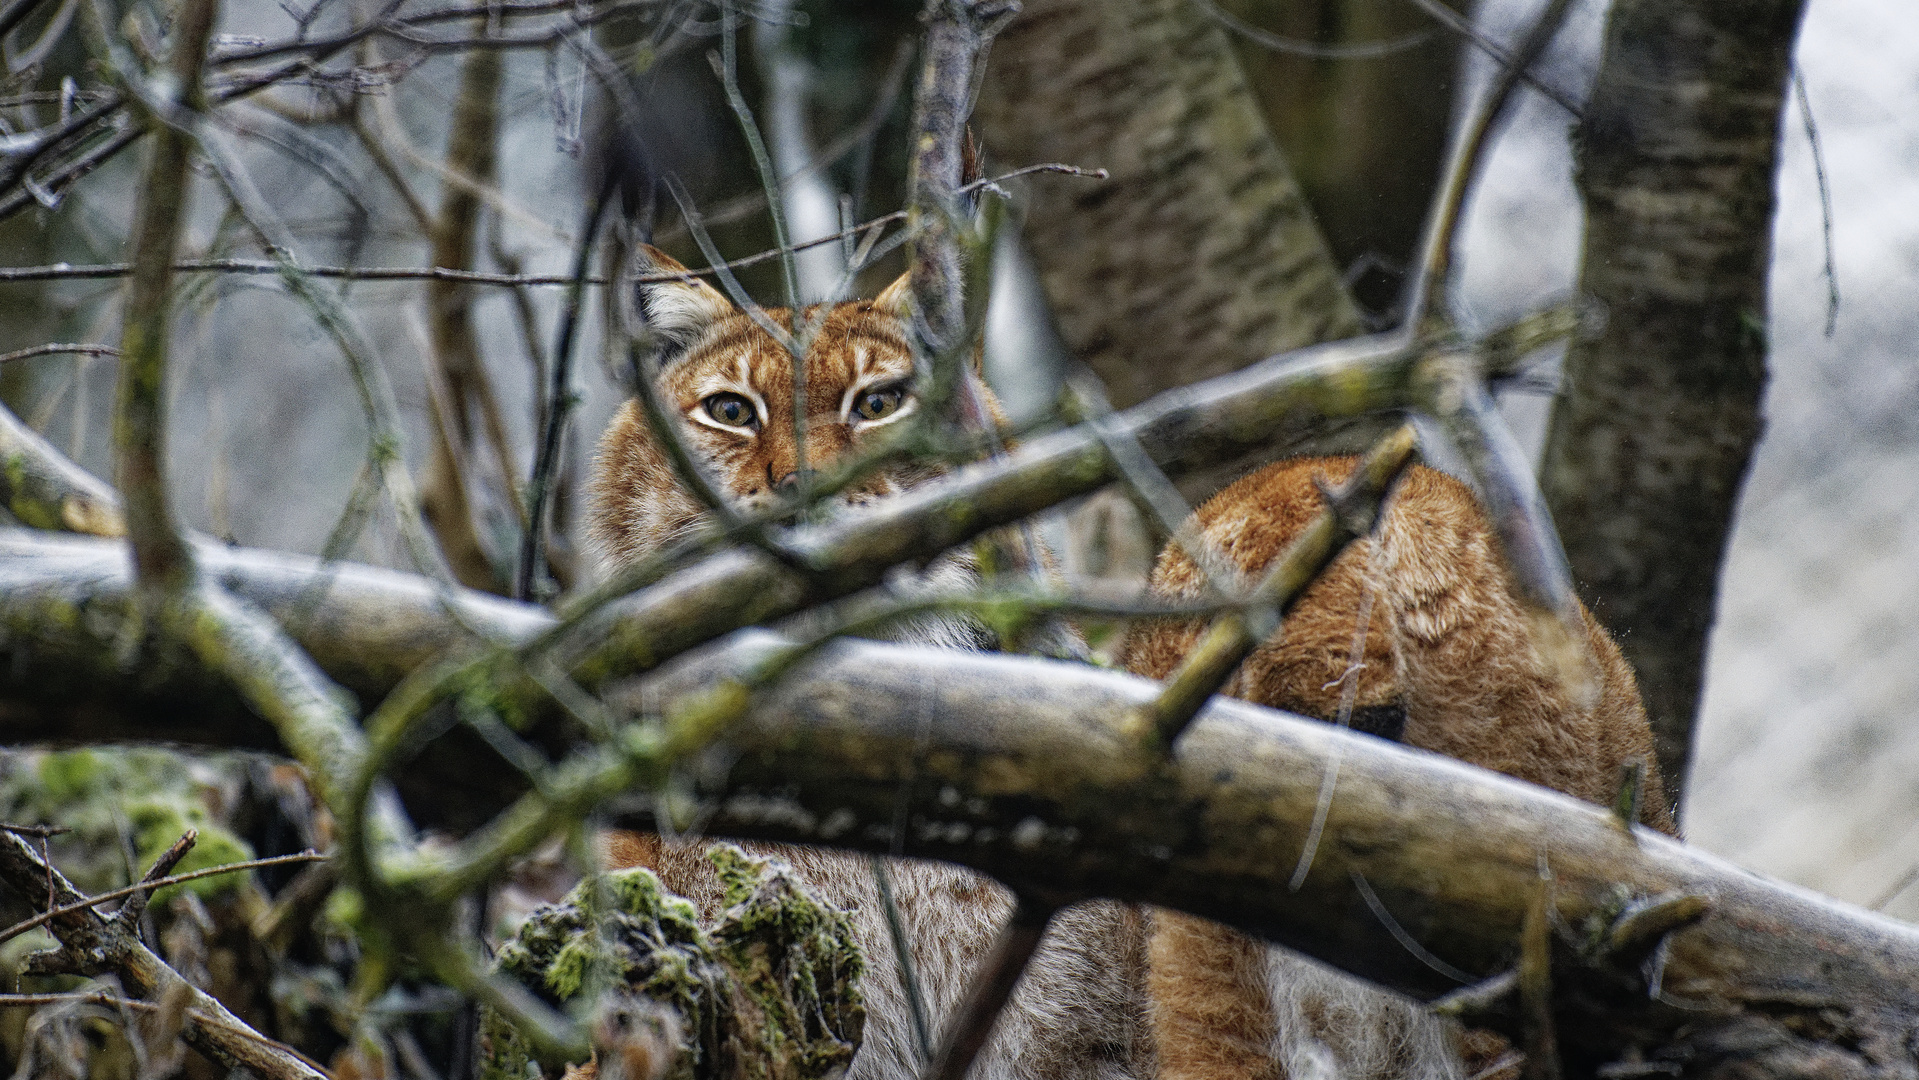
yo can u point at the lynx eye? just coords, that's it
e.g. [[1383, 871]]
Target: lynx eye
[[732, 410], [879, 403]]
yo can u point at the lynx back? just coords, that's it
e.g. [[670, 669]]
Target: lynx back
[[1417, 634]]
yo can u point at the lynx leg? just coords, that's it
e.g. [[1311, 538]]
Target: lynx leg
[[1210, 1013]]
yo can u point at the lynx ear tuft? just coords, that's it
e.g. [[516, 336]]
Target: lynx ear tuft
[[676, 309], [896, 299]]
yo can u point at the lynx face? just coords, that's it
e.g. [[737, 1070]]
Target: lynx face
[[730, 384]]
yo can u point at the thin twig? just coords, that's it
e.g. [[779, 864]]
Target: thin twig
[[1150, 486], [87, 271], [726, 66], [92, 944], [993, 986], [1825, 197], [147, 885], [136, 904], [559, 403], [1266, 39], [1406, 940], [1463, 26], [60, 349], [1329, 779], [903, 957]]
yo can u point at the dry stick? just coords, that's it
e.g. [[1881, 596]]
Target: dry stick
[[141, 890], [92, 944], [993, 986], [59, 349], [1350, 512]]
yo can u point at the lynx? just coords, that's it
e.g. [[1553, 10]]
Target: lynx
[[1422, 620], [1118, 992], [1078, 1011]]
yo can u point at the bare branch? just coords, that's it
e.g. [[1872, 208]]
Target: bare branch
[[45, 490], [145, 887], [160, 556], [93, 944], [58, 350]]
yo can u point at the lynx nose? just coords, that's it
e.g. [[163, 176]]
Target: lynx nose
[[792, 480]]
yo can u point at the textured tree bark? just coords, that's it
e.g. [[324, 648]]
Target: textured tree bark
[[1200, 254], [1652, 433]]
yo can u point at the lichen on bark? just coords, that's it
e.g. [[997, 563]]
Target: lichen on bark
[[769, 991]]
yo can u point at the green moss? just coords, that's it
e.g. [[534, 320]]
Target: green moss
[[142, 797], [769, 992]]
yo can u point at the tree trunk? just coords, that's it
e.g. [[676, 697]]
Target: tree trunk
[[1653, 431], [1199, 255]]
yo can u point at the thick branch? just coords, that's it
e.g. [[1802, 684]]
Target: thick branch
[[1059, 803], [372, 628]]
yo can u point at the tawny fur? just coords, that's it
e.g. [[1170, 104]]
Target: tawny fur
[[1446, 641], [1114, 993]]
